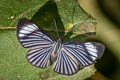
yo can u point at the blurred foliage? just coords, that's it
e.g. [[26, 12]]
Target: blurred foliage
[[107, 32], [111, 9]]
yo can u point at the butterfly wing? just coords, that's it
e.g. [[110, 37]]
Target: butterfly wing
[[39, 57], [29, 35], [65, 64], [75, 54], [40, 43]]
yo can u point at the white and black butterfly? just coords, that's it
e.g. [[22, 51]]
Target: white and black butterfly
[[67, 58]]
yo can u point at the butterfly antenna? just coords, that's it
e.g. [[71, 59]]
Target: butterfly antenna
[[56, 28]]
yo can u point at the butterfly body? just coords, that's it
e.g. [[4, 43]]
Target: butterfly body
[[67, 58], [56, 49]]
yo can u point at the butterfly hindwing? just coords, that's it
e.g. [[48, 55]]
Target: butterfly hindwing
[[29, 35], [75, 54], [39, 57], [65, 64]]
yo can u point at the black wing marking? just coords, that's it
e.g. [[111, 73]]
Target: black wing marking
[[86, 53], [39, 57], [30, 35]]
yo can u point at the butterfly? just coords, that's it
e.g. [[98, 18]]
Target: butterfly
[[67, 58]]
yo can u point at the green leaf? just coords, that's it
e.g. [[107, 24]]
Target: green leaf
[[73, 23], [12, 10]]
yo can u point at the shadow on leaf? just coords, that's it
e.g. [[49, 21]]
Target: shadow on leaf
[[45, 18]]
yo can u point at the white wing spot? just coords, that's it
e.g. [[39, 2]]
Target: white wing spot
[[91, 49], [29, 29], [21, 35], [25, 32]]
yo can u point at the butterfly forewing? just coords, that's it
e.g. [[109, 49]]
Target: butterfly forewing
[[30, 35], [39, 42]]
